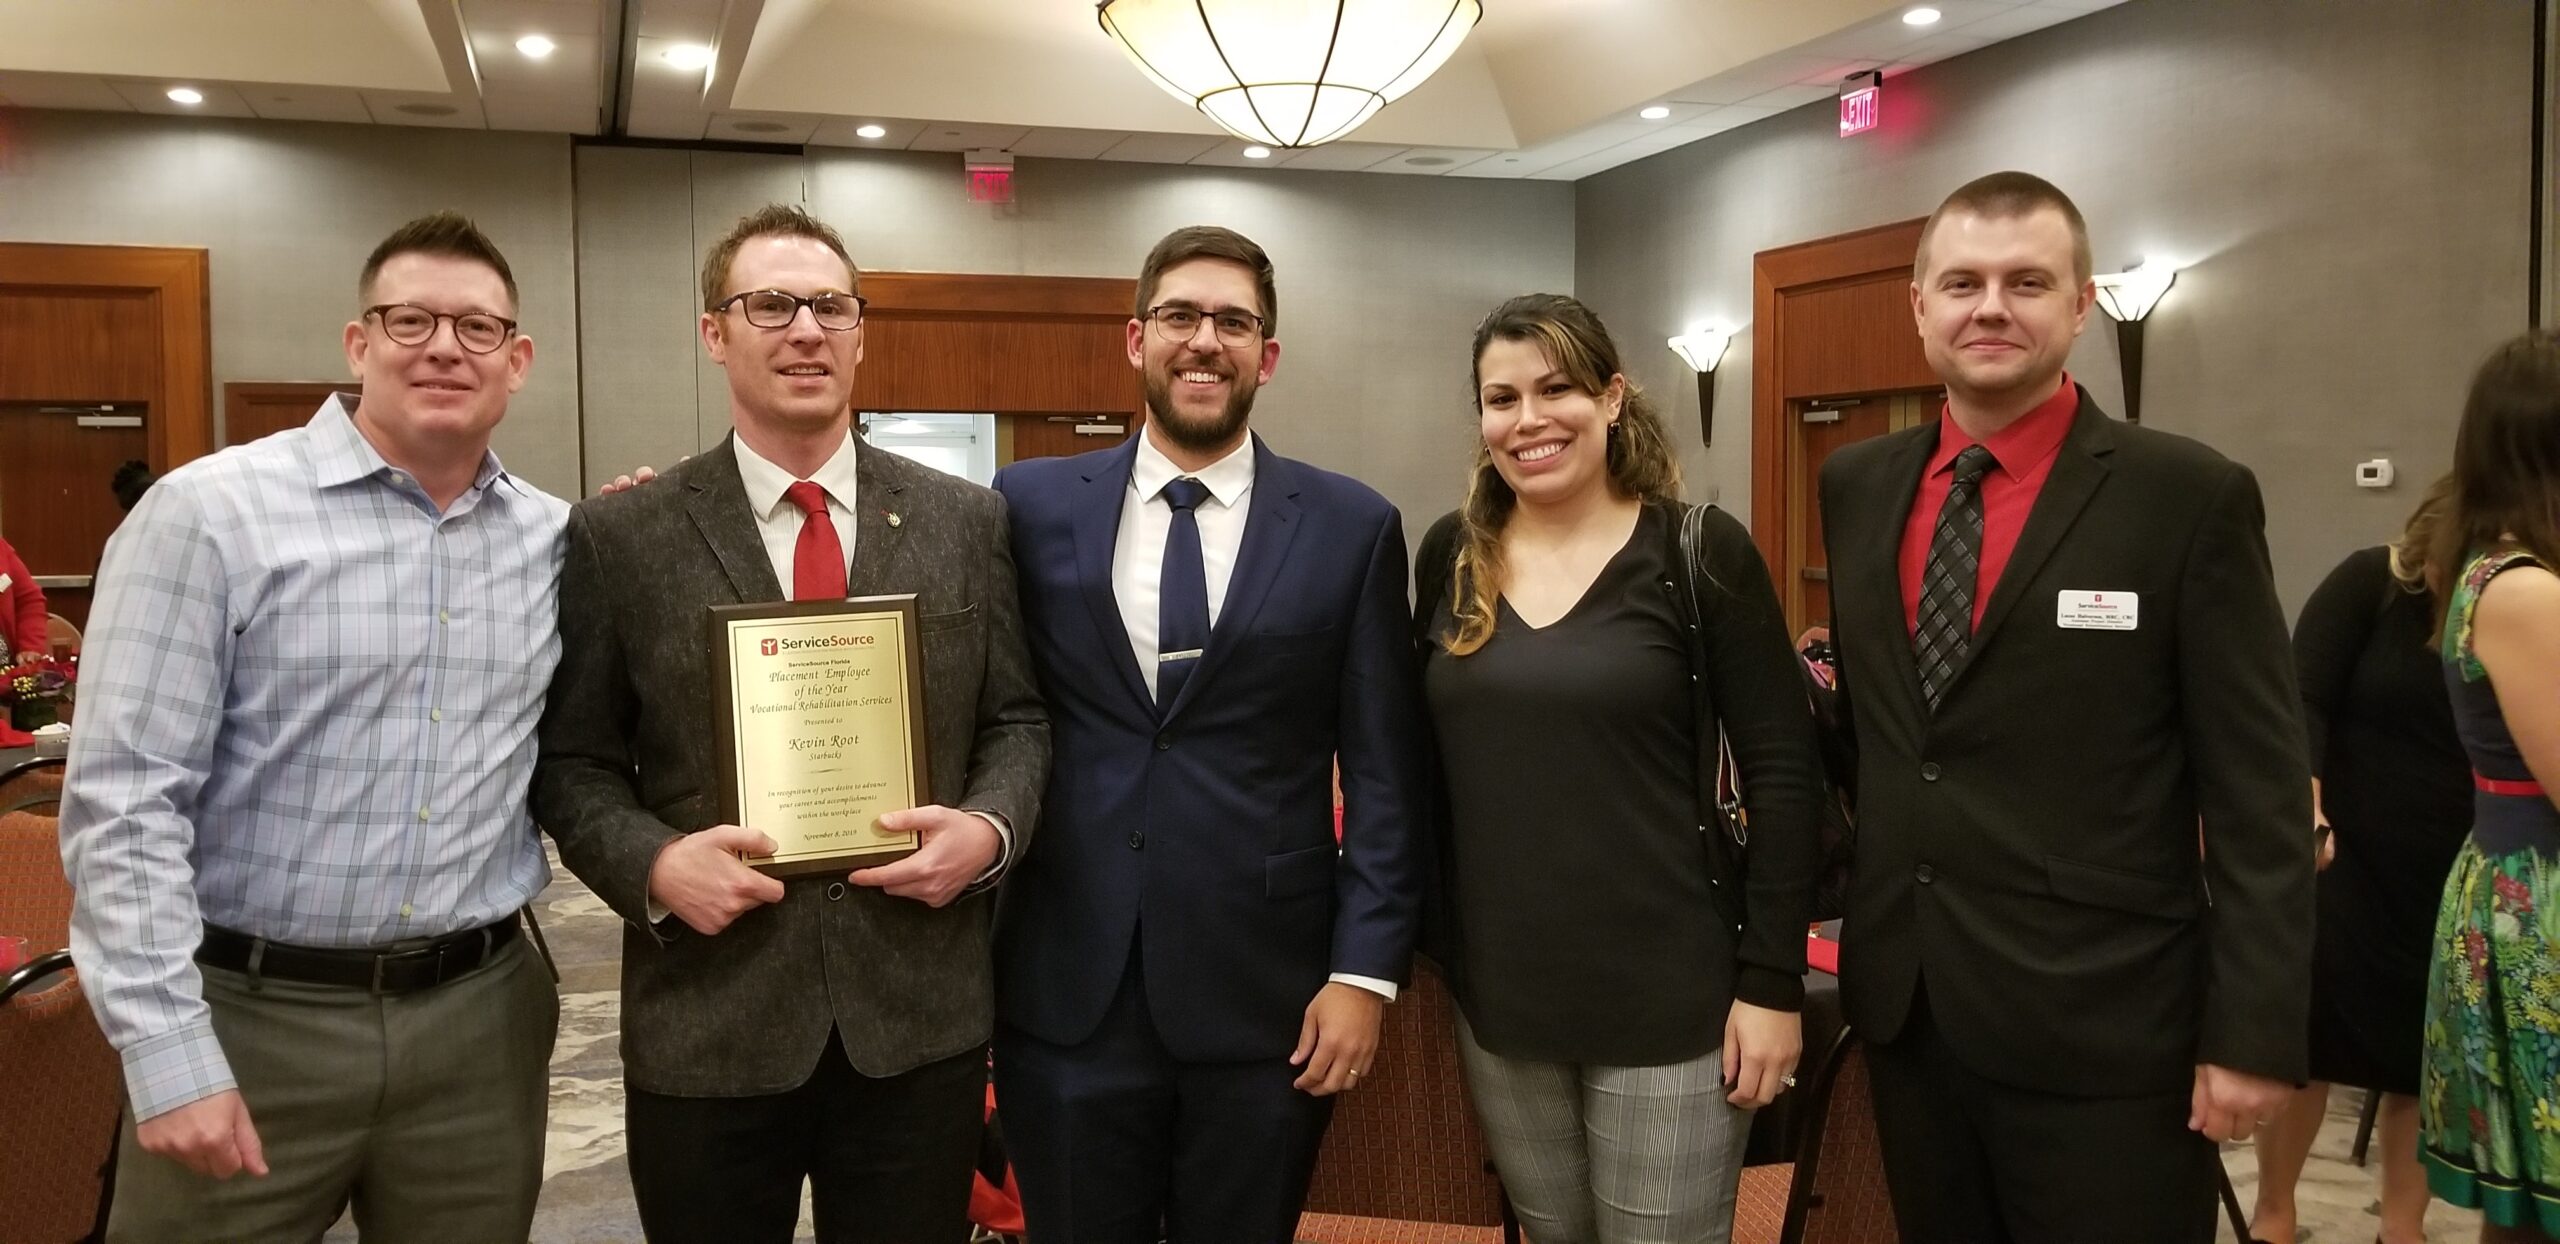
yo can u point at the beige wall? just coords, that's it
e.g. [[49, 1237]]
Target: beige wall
[[2347, 179], [1381, 281], [287, 213]]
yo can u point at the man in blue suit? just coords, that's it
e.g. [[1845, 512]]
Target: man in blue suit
[[1187, 969]]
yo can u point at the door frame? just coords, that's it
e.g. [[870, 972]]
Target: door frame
[[1843, 259], [180, 428]]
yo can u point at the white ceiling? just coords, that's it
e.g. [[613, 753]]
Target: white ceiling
[[1543, 88]]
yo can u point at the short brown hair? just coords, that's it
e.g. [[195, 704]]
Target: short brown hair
[[1211, 242], [773, 220], [2008, 195], [450, 235]]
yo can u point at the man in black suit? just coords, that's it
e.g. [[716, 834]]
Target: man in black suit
[[831, 1028], [2062, 651]]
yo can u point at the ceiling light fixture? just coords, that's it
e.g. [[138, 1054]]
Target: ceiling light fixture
[[1288, 75], [1655, 113], [1257, 152], [1922, 16], [688, 56], [536, 46], [871, 131], [187, 95]]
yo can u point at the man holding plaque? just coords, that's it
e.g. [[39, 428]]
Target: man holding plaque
[[819, 1010], [1187, 967]]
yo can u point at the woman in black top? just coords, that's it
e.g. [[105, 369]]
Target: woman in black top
[[1616, 1028], [2395, 791]]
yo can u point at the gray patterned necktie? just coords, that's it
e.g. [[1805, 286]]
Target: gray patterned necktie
[[1947, 583]]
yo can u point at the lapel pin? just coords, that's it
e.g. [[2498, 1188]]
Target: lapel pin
[[894, 520]]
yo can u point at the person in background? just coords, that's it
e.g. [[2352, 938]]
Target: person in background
[[130, 481], [2393, 800], [294, 816], [22, 615], [1558, 652], [2489, 1090]]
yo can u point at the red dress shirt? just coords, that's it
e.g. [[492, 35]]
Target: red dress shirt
[[2024, 451]]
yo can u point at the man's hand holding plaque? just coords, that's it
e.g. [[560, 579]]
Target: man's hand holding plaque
[[958, 848], [700, 879]]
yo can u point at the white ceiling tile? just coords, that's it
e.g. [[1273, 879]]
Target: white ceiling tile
[[684, 21], [963, 136], [1230, 154], [2016, 22], [1502, 164], [1056, 143], [1162, 148], [2079, 6], [1431, 161], [419, 108], [61, 90], [543, 114], [1576, 170], [1744, 81], [1787, 97], [152, 95], [1729, 117], [1339, 157], [839, 132], [651, 69], [307, 103], [762, 127]]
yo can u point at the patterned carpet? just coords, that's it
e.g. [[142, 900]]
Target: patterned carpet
[[586, 1195]]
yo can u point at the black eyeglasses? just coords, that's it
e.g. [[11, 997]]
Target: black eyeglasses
[[1179, 322], [411, 325], [773, 308]]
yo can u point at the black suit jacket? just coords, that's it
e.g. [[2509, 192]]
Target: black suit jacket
[[2032, 847], [628, 763]]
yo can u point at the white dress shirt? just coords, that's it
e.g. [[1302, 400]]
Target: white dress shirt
[[1137, 563]]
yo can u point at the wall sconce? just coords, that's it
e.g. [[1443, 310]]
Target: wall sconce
[[2127, 297], [1702, 349]]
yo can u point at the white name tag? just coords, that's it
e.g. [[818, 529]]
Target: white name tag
[[2098, 611]]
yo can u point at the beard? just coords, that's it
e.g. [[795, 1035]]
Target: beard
[[1198, 436]]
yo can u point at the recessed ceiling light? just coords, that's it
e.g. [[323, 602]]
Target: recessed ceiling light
[[536, 46], [871, 131], [1923, 16], [1257, 152], [1655, 113], [187, 95], [687, 56]]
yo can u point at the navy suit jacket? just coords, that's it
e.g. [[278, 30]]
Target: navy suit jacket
[[1207, 830]]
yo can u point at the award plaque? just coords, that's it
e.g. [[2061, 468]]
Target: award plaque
[[820, 709]]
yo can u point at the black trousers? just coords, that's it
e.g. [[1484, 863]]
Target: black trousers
[[1115, 1141], [887, 1161], [1973, 1161]]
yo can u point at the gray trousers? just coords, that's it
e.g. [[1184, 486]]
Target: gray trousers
[[1611, 1155], [426, 1111]]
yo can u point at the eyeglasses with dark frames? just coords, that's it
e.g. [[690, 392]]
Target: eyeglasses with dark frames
[[1180, 321], [411, 325], [773, 308]]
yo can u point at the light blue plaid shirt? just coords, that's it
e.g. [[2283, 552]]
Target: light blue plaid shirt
[[307, 711]]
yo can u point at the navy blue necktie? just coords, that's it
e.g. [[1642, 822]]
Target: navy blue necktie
[[1182, 593]]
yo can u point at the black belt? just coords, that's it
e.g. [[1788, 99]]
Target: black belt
[[402, 967]]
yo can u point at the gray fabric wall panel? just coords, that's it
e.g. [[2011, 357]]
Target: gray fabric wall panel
[[2346, 180], [635, 300], [288, 212]]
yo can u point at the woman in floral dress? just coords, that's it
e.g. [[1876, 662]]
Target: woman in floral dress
[[2490, 1087]]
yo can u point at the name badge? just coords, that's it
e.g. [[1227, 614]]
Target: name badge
[[2098, 611]]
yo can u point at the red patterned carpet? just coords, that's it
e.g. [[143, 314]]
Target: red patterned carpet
[[1341, 1229]]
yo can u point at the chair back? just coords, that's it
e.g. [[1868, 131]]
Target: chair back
[[1405, 1145], [35, 898], [30, 780], [1839, 1190], [63, 1083], [61, 638]]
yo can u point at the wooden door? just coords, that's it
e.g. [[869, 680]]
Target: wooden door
[[1822, 427], [1058, 436], [55, 464], [252, 410]]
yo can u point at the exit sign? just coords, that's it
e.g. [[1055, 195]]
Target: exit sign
[[1861, 102], [989, 173]]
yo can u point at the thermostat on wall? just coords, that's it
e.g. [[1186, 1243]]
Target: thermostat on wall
[[2374, 474]]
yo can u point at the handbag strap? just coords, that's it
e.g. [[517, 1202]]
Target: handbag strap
[[1727, 792]]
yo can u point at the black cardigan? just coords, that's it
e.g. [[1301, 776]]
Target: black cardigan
[[1750, 686]]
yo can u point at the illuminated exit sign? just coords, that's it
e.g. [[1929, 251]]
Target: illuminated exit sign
[[990, 176], [1861, 102]]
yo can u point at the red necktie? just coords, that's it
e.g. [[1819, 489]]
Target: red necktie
[[817, 564]]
